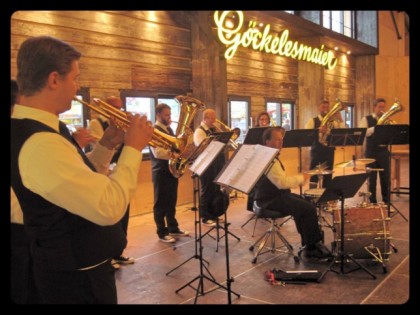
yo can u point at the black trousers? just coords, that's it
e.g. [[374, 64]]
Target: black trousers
[[93, 286], [22, 283], [303, 212], [165, 199], [381, 155], [124, 223], [320, 155]]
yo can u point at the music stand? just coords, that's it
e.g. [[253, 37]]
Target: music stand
[[299, 138], [254, 135], [341, 187], [390, 135], [201, 164]]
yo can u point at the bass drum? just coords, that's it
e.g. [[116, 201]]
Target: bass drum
[[366, 231]]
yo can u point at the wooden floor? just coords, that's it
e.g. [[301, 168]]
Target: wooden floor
[[147, 282]]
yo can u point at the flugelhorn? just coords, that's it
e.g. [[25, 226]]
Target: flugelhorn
[[224, 128], [159, 139]]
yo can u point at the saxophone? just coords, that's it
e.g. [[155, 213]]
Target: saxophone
[[322, 137], [384, 120]]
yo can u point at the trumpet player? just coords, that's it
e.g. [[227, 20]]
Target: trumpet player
[[319, 152], [209, 189], [164, 183], [378, 152], [71, 211]]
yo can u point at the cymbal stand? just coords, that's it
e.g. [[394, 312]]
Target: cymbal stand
[[200, 288], [342, 255], [196, 222]]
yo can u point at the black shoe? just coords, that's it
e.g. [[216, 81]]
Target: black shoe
[[124, 260], [317, 250]]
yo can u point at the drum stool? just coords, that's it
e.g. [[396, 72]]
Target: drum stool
[[271, 233]]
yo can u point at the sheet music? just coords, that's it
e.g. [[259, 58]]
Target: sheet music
[[246, 167], [206, 157]]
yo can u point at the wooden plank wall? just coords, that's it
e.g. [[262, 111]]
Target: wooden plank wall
[[144, 50]]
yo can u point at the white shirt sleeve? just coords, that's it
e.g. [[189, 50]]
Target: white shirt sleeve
[[161, 153], [199, 136], [51, 167], [281, 180], [310, 124], [364, 124]]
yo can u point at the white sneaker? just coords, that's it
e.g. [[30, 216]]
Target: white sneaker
[[179, 233], [167, 239], [115, 265]]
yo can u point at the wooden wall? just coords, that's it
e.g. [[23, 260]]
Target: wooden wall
[[144, 50]]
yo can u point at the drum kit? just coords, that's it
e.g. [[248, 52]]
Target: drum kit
[[367, 234]]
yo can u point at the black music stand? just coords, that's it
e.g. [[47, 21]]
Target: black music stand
[[299, 138], [341, 187], [254, 135], [390, 135], [202, 162]]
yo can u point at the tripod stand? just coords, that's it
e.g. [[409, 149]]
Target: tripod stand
[[391, 135], [343, 187], [200, 288], [196, 190]]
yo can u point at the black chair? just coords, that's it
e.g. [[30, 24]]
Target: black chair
[[271, 233]]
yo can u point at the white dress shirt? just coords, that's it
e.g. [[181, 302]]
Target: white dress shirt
[[281, 180], [161, 153], [311, 124], [51, 167], [200, 134], [364, 124]]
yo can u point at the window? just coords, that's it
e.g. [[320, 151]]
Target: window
[[77, 115], [145, 103], [282, 112], [239, 115], [339, 21], [348, 115]]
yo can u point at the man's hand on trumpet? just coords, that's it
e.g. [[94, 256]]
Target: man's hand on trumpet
[[139, 133]]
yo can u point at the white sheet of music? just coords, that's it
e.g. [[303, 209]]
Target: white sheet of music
[[203, 161], [246, 167]]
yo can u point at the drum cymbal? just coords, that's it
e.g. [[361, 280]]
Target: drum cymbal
[[345, 164], [365, 161], [318, 172], [370, 169]]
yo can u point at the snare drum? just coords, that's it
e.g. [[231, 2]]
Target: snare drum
[[363, 227], [314, 194]]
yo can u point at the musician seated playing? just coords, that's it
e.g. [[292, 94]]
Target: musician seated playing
[[273, 192]]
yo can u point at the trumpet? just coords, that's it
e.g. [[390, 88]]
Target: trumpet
[[224, 128], [159, 139]]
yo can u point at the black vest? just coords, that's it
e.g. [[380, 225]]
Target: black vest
[[159, 165], [265, 192], [59, 239], [371, 144]]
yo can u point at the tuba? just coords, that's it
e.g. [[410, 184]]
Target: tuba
[[236, 133], [159, 139], [384, 120], [329, 122], [188, 108]]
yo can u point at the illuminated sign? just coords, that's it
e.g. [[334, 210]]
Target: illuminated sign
[[230, 33]]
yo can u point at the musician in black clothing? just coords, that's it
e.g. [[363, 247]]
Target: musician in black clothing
[[164, 183], [273, 192], [209, 190], [378, 152], [319, 152], [97, 128]]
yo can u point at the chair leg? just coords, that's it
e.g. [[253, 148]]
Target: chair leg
[[271, 233]]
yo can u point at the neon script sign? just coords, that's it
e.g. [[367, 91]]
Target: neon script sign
[[276, 44]]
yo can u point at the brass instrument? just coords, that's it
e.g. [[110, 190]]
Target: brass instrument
[[327, 120], [224, 128], [188, 108], [384, 120], [273, 123], [159, 139]]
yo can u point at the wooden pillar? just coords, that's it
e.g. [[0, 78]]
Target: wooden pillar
[[209, 75]]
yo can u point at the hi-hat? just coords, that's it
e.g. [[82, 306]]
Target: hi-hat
[[318, 172], [365, 161]]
